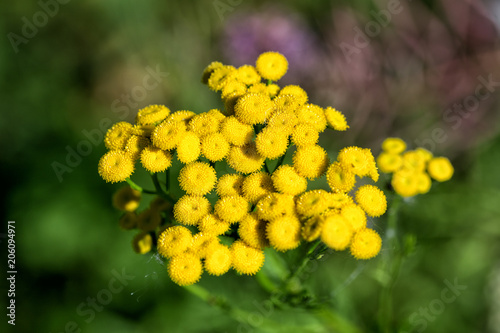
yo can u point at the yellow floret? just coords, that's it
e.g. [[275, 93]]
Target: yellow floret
[[202, 242], [215, 147], [252, 231], [204, 124], [389, 162], [236, 132], [340, 178], [174, 241], [271, 65], [405, 183], [135, 144], [312, 203], [413, 161], [296, 91], [440, 169], [218, 259], [126, 199], [168, 134], [143, 130], [335, 119], [190, 209], [338, 199], [272, 89], [336, 232], [357, 160], [312, 228], [284, 233], [256, 186], [116, 137], [211, 224], [253, 108], [355, 215], [424, 182], [275, 205], [197, 178], [185, 269], [304, 135], [183, 116], [393, 145], [209, 70], [142, 243], [155, 160], [245, 159], [285, 103], [216, 114], [286, 180], [230, 184], [312, 114], [246, 259], [248, 75], [233, 88], [372, 200], [365, 244], [424, 153], [189, 148], [231, 208], [219, 77], [152, 114], [115, 166], [271, 143], [283, 121], [310, 161]]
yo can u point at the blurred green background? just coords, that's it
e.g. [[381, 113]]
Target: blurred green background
[[70, 69]]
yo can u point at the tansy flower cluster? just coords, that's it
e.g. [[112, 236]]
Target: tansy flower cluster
[[412, 170], [255, 206]]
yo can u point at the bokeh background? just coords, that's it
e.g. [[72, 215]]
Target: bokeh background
[[429, 73]]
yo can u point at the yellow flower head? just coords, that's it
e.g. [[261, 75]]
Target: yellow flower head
[[152, 114], [116, 137], [253, 108], [414, 161], [284, 121], [365, 244], [257, 186], [183, 116], [312, 228], [233, 88], [246, 259], [340, 178], [312, 203], [296, 91], [174, 241], [355, 215], [209, 70], [190, 209], [148, 220], [197, 178], [115, 166], [394, 145], [252, 231], [126, 199], [189, 148], [142, 243], [218, 259], [230, 102], [272, 89], [219, 77], [211, 224], [424, 153], [271, 143], [310, 161], [204, 124], [217, 115], [135, 144], [335, 119], [155, 160], [284, 233], [231, 208], [360, 161], [275, 205], [285, 103], [271, 65], [304, 135], [143, 130], [215, 147], [128, 221], [336, 232], [312, 114], [338, 199], [168, 134], [440, 169], [201, 243], [245, 159], [405, 183], [248, 75], [185, 269], [424, 182], [372, 200], [236, 132], [230, 184], [286, 180], [388, 162], [259, 88]]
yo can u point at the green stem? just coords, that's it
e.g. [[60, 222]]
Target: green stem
[[138, 188], [159, 190], [269, 82], [167, 180]]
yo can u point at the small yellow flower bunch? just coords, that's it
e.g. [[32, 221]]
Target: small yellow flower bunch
[[255, 207], [412, 170]]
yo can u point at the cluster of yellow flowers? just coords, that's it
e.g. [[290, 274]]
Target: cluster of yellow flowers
[[256, 207], [413, 169]]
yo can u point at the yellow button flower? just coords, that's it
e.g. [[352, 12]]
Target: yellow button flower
[[185, 269], [310, 161], [440, 169], [284, 233], [116, 137], [372, 200], [256, 186], [230, 184], [271, 65], [336, 232], [335, 119], [271, 143], [197, 178], [232, 208], [286, 180], [246, 259], [155, 160], [393, 145], [296, 91], [365, 244], [115, 166], [152, 114], [190, 209], [218, 260], [252, 231], [174, 241], [245, 159], [235, 132], [253, 108]]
